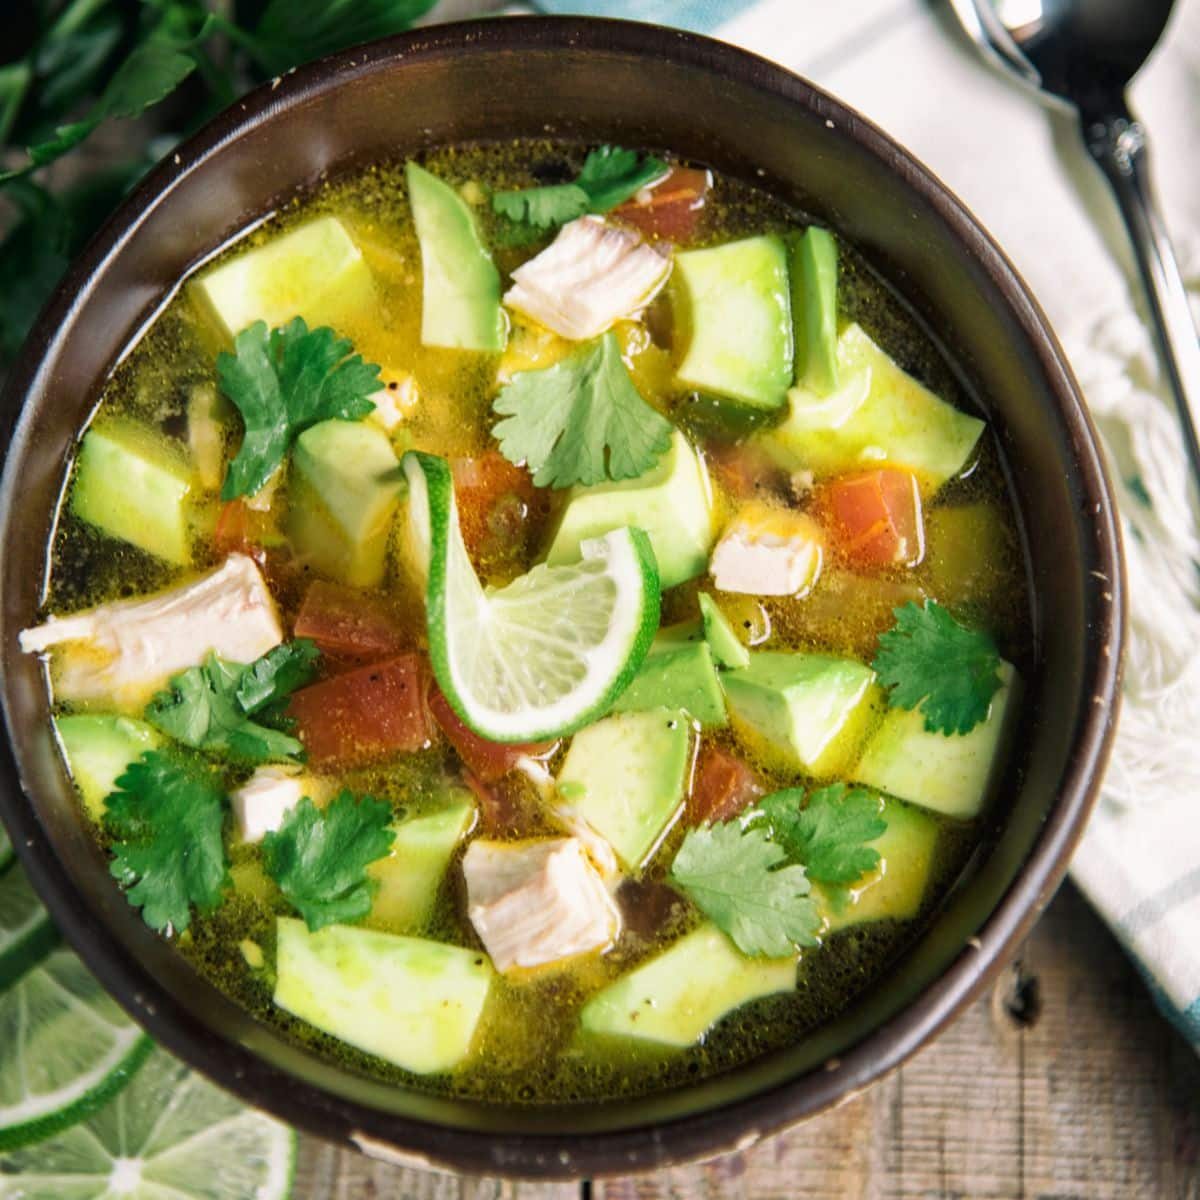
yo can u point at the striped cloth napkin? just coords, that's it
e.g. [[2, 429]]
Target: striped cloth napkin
[[1023, 171]]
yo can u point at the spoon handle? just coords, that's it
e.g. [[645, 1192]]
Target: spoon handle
[[1119, 144]]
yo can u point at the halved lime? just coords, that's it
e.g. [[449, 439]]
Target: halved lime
[[170, 1135], [26, 931], [65, 1048], [549, 652]]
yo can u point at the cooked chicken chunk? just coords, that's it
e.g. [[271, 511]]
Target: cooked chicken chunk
[[537, 902], [127, 650], [768, 552], [261, 803], [591, 276]]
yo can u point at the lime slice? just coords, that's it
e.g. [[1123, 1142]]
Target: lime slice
[[549, 652], [26, 931], [170, 1135], [65, 1048]]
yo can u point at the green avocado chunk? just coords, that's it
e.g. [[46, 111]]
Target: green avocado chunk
[[878, 414], [132, 483], [949, 773], [727, 648], [734, 303], [678, 672], [413, 1002], [672, 503], [814, 269], [460, 295], [343, 492], [676, 997], [410, 876], [626, 776], [897, 887], [806, 708], [315, 271], [98, 747]]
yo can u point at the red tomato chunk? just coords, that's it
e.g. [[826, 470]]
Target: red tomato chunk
[[370, 713], [499, 509], [346, 624], [876, 518], [671, 208], [487, 761], [723, 787]]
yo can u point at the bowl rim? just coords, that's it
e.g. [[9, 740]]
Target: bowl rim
[[739, 1123]]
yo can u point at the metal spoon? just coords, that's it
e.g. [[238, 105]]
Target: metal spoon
[[1085, 52]]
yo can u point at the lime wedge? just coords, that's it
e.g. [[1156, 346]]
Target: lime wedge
[[26, 931], [549, 652], [65, 1048], [170, 1135]]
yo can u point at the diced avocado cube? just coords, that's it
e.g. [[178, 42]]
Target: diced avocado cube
[[897, 887], [672, 502], [133, 484], [413, 1002], [460, 295], [629, 774], [804, 708], [814, 271], [410, 877], [727, 648], [98, 747], [343, 493], [734, 304], [947, 773], [677, 673], [879, 414], [314, 271], [676, 997]]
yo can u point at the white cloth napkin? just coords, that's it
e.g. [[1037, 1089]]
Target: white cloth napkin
[[1023, 170]]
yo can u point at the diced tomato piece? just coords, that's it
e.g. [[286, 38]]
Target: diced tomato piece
[[231, 535], [671, 208], [365, 714], [500, 511], [484, 759], [723, 786], [347, 624], [876, 517]]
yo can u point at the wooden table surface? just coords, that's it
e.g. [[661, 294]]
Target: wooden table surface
[[1064, 1082]]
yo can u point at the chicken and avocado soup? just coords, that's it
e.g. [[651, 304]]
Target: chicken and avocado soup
[[536, 624]]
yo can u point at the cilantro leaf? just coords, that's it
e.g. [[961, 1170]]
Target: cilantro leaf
[[165, 818], [282, 383], [929, 659], [610, 175], [581, 420], [319, 857], [828, 835], [278, 673], [740, 879], [542, 207], [209, 707]]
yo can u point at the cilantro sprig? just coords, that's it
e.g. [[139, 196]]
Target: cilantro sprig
[[610, 175], [165, 819], [581, 420], [210, 707], [282, 382], [741, 879], [931, 661], [319, 857]]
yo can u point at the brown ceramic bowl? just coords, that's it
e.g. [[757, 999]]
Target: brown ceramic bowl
[[640, 86]]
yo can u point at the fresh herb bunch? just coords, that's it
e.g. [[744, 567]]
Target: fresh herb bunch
[[74, 66]]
